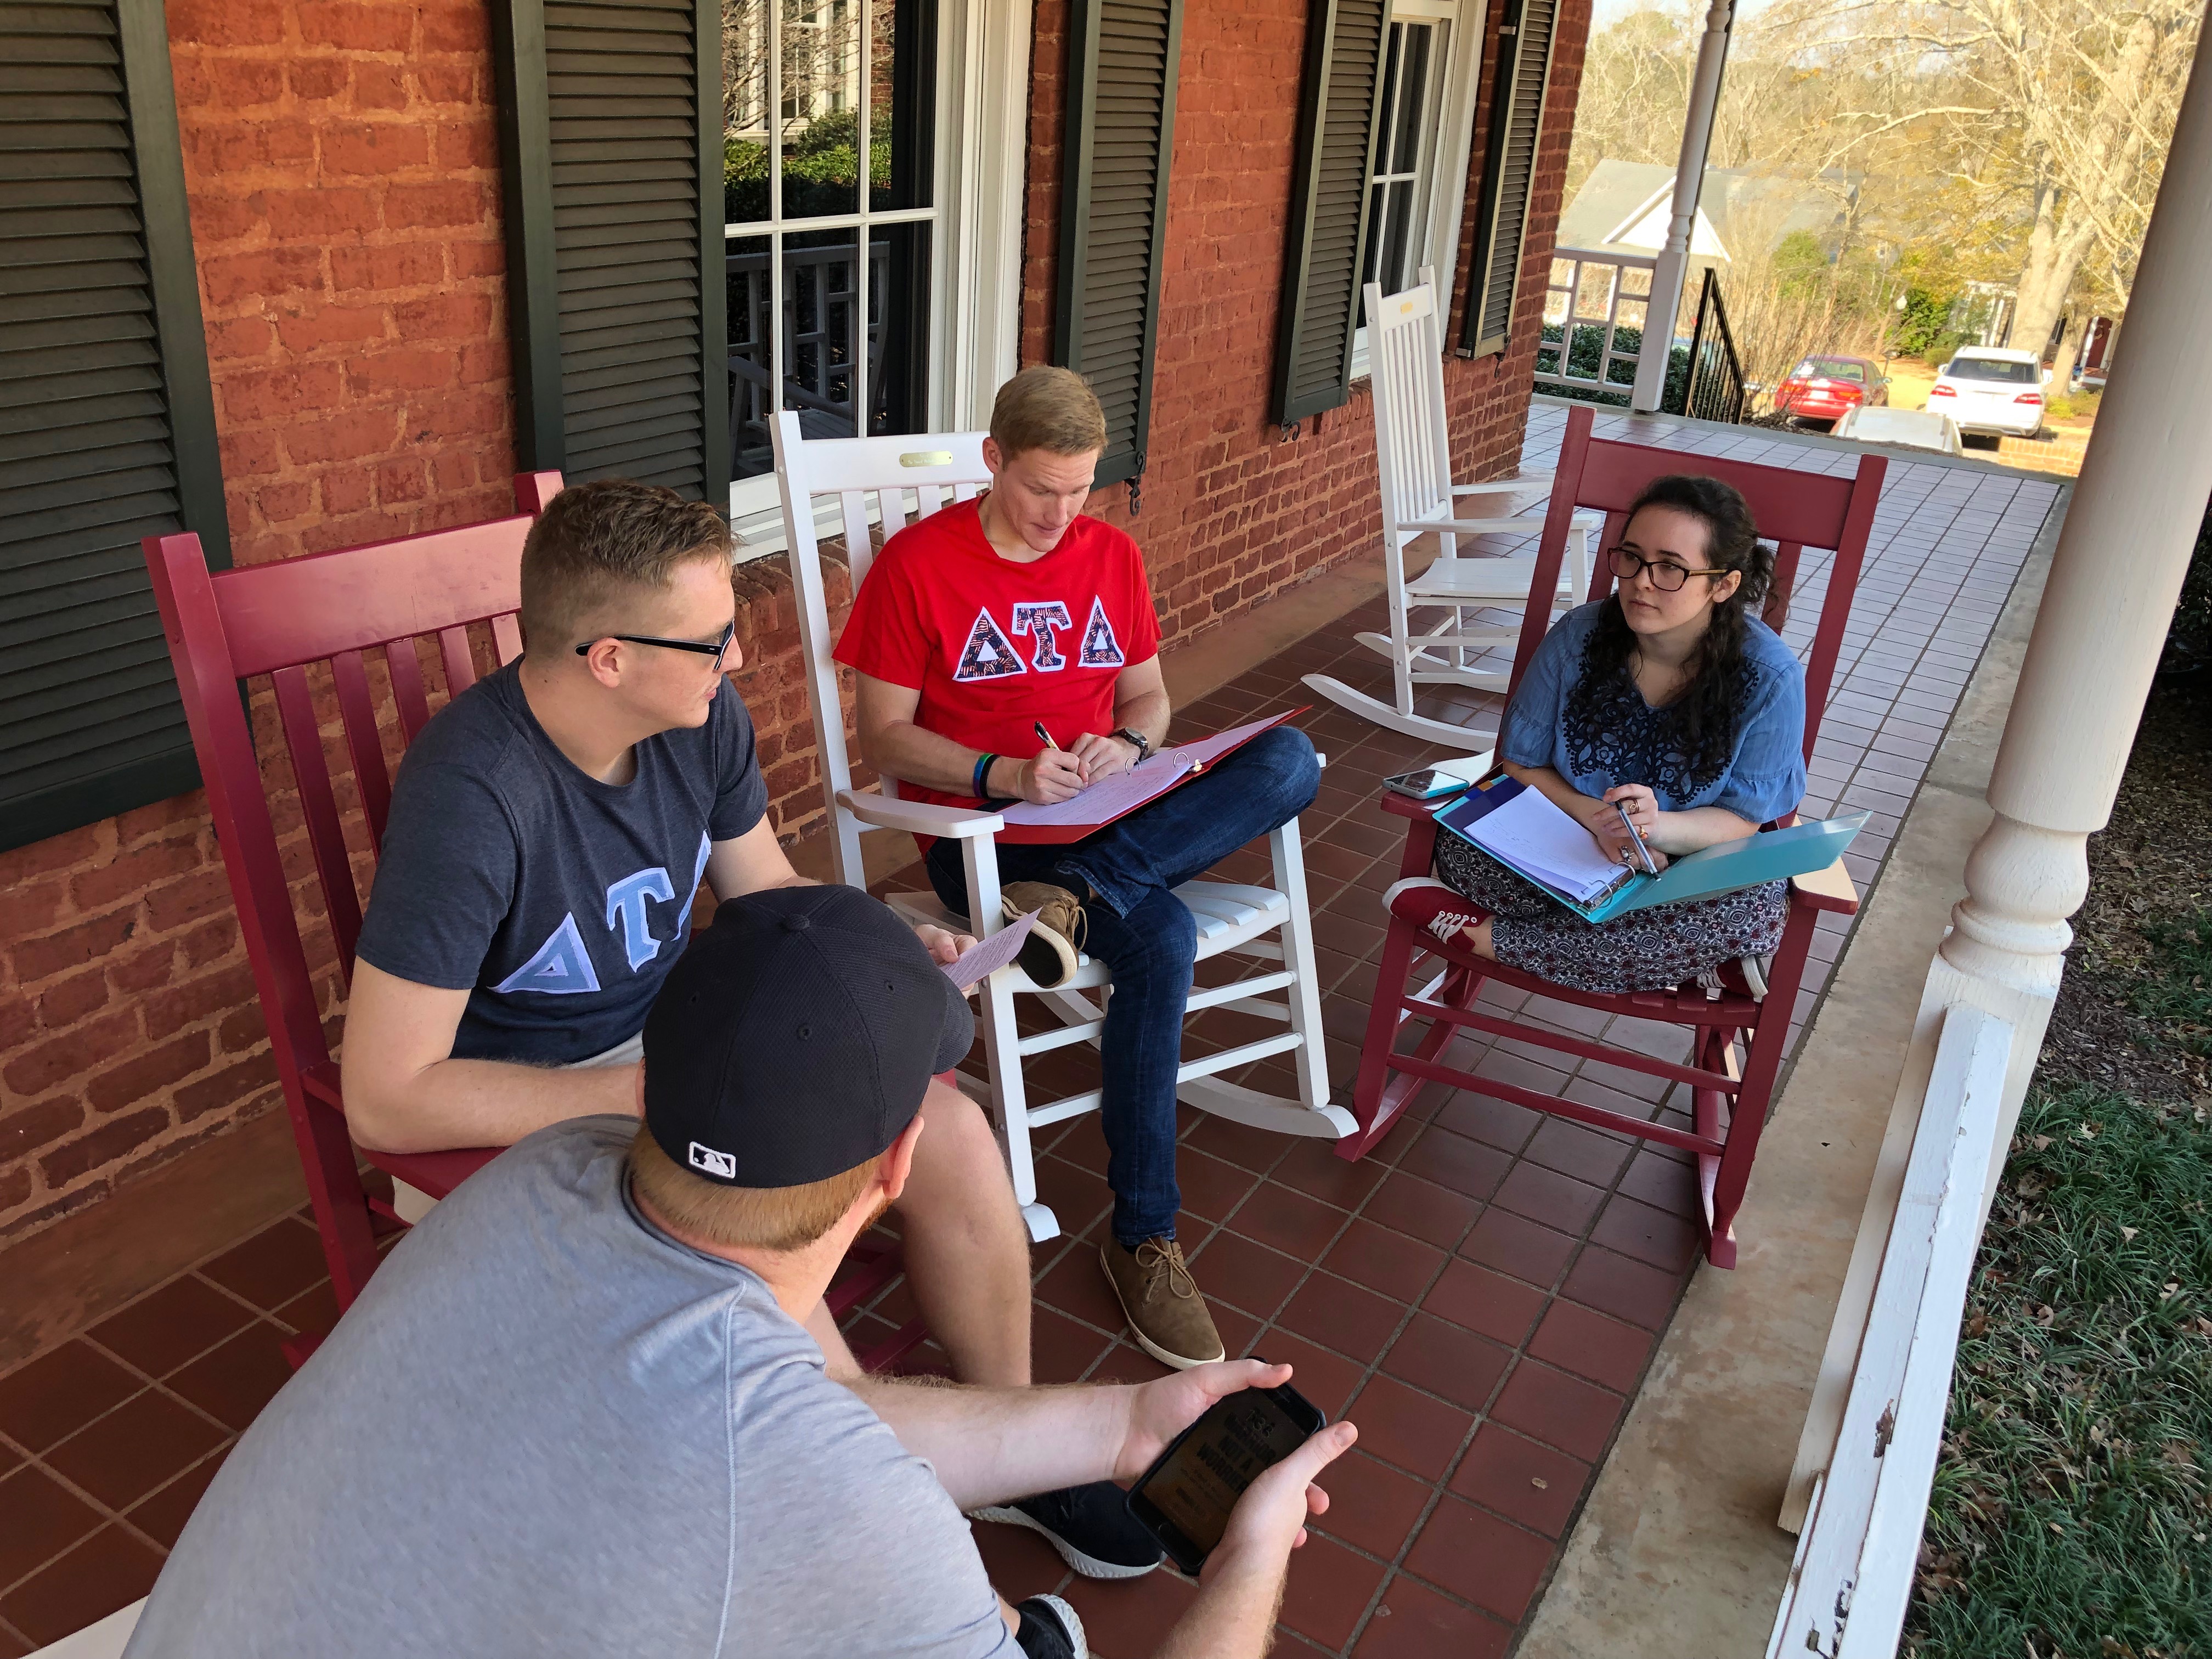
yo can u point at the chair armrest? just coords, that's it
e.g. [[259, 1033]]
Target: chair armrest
[[918, 817], [1831, 888], [1540, 480]]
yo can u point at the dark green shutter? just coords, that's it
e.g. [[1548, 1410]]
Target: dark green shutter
[[107, 424], [1509, 167], [611, 125], [1337, 107], [1122, 65]]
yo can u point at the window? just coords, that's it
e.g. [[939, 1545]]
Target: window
[[1405, 148], [1963, 367], [830, 282], [1418, 178]]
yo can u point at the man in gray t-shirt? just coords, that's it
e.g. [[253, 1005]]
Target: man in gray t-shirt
[[576, 1411]]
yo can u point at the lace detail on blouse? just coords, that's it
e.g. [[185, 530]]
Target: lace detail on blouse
[[1611, 732]]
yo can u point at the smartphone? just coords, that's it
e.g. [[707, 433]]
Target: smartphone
[[1426, 784], [1184, 1498]]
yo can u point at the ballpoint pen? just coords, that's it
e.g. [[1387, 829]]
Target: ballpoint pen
[[1038, 726]]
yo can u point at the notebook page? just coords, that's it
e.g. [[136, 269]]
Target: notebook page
[[1109, 798], [1125, 791], [1534, 835]]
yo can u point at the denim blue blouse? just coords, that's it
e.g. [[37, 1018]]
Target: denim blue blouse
[[1765, 772]]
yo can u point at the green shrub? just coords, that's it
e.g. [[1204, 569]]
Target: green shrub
[[820, 164]]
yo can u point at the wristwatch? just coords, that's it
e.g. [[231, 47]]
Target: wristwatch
[[1130, 734]]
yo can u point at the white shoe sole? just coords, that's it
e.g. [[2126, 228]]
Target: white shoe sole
[[1173, 1361], [1089, 1565], [1070, 1621]]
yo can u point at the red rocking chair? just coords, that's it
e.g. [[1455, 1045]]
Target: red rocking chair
[[1795, 510], [279, 620]]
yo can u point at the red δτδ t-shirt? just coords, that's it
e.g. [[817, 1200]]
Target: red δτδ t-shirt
[[994, 646]]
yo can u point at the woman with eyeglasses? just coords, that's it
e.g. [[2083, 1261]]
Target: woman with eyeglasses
[[1671, 702]]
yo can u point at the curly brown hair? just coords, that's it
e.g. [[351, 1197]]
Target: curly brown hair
[[1705, 712]]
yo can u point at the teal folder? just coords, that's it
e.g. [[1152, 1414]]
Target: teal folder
[[1770, 855]]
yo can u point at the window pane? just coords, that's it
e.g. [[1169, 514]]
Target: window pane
[[751, 370], [1412, 100], [898, 329], [902, 113], [820, 118], [745, 111], [819, 293], [1398, 238]]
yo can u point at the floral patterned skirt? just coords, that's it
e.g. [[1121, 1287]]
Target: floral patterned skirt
[[1653, 950]]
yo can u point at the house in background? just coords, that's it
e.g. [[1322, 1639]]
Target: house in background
[[298, 276], [1623, 208]]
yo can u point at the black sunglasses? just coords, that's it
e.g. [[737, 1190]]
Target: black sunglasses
[[1666, 576], [718, 650]]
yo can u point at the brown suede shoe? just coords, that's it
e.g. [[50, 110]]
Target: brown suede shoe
[[1048, 954], [1166, 1314]]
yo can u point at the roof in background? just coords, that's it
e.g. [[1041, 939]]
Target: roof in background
[[1622, 208]]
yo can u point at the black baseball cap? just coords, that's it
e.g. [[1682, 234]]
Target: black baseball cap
[[795, 1036]]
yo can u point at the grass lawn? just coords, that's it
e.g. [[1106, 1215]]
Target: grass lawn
[[2072, 1511]]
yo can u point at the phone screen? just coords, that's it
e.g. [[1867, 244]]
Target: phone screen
[[1199, 1481]]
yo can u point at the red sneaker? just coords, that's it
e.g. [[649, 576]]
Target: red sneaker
[[1429, 905]]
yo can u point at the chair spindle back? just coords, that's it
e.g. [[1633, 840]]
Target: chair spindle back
[[936, 468]]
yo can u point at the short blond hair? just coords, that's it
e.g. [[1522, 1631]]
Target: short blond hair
[[743, 1217], [1047, 408], [598, 547]]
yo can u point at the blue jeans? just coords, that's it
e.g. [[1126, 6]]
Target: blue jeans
[[1149, 939]]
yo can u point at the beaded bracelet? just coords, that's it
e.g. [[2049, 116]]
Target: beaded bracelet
[[979, 785]]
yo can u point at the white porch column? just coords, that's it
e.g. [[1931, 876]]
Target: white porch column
[[1674, 259], [2115, 575]]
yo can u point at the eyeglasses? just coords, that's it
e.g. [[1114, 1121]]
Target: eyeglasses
[[1666, 576], [717, 650]]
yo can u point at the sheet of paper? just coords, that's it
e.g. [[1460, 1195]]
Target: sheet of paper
[[986, 957], [1109, 798], [1532, 833]]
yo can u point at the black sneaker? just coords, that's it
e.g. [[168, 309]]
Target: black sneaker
[[1089, 1526], [1050, 1629]]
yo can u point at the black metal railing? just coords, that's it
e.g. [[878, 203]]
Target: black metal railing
[[818, 356], [1715, 388]]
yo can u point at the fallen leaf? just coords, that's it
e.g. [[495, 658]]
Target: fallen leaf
[[1540, 1483]]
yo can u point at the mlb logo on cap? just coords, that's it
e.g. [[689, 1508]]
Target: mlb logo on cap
[[719, 1164]]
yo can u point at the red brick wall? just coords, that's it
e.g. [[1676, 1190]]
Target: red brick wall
[[1233, 513], [342, 169]]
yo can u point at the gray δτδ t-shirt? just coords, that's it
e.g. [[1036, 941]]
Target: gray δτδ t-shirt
[[558, 902], [548, 1429]]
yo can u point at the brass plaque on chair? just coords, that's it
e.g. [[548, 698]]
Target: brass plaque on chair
[[926, 458]]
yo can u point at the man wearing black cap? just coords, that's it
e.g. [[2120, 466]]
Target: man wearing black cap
[[577, 1413]]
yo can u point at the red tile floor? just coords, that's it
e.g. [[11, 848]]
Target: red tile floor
[[1481, 1293]]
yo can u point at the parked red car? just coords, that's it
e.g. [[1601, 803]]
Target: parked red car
[[1825, 389]]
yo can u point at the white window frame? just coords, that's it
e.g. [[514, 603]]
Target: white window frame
[[979, 192], [1447, 145]]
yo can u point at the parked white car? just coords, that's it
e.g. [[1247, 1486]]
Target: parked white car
[[1905, 429], [1991, 390]]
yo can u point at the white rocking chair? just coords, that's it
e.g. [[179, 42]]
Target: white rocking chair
[[1232, 918], [1413, 448]]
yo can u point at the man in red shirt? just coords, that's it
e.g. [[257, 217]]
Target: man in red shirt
[[989, 619]]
